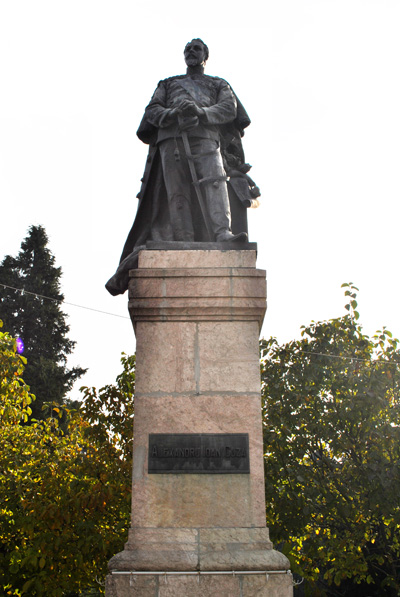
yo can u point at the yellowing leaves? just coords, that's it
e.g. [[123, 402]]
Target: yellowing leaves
[[56, 531]]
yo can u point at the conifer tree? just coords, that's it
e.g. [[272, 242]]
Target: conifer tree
[[39, 321]]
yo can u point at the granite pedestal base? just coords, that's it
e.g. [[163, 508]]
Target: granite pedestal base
[[197, 317], [199, 585]]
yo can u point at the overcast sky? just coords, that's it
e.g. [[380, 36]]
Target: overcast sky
[[320, 81]]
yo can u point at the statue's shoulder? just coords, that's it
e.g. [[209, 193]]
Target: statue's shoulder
[[218, 80], [169, 79], [208, 79]]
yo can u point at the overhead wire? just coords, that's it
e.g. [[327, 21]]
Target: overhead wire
[[49, 298], [350, 358], [332, 356]]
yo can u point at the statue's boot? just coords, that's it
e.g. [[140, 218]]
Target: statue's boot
[[220, 214], [227, 236]]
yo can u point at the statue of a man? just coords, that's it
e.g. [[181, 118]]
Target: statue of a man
[[195, 173]]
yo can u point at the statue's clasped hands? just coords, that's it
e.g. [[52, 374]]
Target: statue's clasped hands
[[187, 114], [189, 108]]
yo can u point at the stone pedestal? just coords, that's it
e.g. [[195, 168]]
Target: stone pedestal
[[197, 317]]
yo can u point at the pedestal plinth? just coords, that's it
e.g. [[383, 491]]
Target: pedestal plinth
[[197, 317]]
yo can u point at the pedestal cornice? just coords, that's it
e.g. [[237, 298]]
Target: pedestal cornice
[[183, 291]]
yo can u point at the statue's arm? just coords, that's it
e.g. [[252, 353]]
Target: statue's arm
[[157, 112], [224, 110]]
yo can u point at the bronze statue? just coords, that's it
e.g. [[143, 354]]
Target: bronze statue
[[195, 187]]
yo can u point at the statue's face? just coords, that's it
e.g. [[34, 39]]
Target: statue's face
[[194, 53]]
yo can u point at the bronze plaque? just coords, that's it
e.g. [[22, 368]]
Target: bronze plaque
[[199, 453]]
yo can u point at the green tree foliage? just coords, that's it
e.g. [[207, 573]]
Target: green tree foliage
[[332, 455], [64, 492], [15, 397], [39, 321], [110, 410]]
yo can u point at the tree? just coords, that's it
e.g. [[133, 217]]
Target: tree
[[64, 493], [110, 410], [332, 455], [15, 397], [35, 315]]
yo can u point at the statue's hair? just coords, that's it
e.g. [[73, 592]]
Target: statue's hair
[[207, 53]]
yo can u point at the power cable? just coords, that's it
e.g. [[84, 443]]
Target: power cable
[[349, 358], [332, 356], [49, 298]]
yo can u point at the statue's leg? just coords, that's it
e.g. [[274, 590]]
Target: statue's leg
[[178, 184], [210, 168]]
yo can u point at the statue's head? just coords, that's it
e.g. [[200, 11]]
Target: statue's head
[[196, 52]]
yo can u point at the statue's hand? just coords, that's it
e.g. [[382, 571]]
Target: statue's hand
[[190, 108], [169, 116], [173, 115]]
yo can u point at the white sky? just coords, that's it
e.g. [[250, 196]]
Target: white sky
[[320, 81]]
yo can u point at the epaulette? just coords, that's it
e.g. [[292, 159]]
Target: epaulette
[[216, 78], [183, 76], [170, 78]]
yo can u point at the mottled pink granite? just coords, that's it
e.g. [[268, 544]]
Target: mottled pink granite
[[279, 585], [197, 316], [193, 259], [199, 500]]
